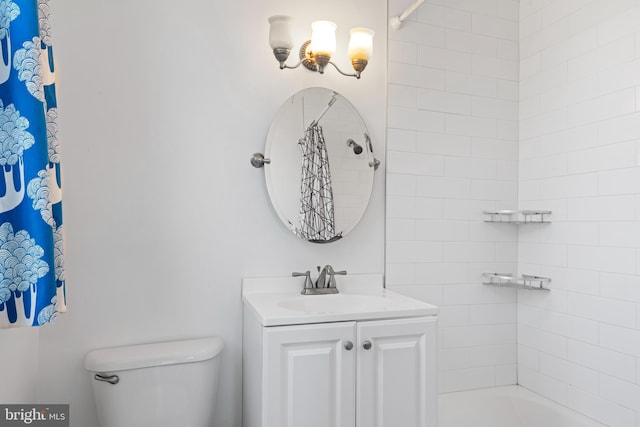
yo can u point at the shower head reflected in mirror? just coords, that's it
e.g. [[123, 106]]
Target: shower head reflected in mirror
[[357, 149]]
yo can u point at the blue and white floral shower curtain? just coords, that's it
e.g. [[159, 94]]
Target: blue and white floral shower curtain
[[32, 285]]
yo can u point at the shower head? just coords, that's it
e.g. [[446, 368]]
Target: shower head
[[357, 149]]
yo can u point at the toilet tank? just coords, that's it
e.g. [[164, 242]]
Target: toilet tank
[[165, 384]]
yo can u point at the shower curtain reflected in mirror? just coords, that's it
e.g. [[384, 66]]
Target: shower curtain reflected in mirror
[[317, 219]]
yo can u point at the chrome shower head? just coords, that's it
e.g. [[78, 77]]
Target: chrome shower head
[[357, 149]]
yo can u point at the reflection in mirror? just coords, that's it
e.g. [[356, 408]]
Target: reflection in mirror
[[320, 174]]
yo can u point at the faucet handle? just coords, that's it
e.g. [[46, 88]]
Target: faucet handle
[[296, 274], [308, 284], [332, 279]]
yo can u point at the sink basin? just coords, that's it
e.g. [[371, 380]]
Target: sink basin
[[335, 303], [276, 301]]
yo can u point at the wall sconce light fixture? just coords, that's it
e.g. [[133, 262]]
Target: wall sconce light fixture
[[316, 53]]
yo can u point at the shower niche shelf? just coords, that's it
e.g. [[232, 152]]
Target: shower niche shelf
[[525, 281], [517, 217]]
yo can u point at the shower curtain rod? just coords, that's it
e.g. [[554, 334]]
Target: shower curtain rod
[[397, 21], [323, 112]]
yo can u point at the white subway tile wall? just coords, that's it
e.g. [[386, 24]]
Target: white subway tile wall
[[452, 153], [579, 138], [531, 103]]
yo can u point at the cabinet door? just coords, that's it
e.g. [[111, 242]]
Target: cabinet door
[[397, 378], [309, 376]]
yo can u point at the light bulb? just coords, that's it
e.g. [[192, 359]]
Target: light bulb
[[280, 32], [323, 38], [361, 44]]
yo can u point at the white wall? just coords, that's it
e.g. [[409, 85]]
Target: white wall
[[161, 106], [19, 356], [580, 131], [452, 153]]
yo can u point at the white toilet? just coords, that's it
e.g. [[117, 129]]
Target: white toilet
[[164, 384]]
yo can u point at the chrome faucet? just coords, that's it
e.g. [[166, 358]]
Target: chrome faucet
[[325, 283], [327, 277]]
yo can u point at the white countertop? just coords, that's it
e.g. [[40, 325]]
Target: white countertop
[[277, 301]]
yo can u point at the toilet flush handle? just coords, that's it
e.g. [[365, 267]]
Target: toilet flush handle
[[111, 379]]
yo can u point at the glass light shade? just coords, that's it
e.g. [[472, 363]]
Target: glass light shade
[[361, 43], [280, 32], [323, 38]]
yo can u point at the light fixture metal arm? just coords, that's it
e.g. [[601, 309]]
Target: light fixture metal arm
[[282, 54], [356, 75], [283, 65], [316, 63], [302, 61]]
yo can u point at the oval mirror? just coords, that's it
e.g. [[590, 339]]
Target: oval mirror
[[320, 175]]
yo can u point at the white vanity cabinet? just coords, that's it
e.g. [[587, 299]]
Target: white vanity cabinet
[[378, 373], [309, 376], [397, 376], [365, 357]]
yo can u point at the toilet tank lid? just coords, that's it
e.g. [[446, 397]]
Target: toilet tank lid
[[153, 354]]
